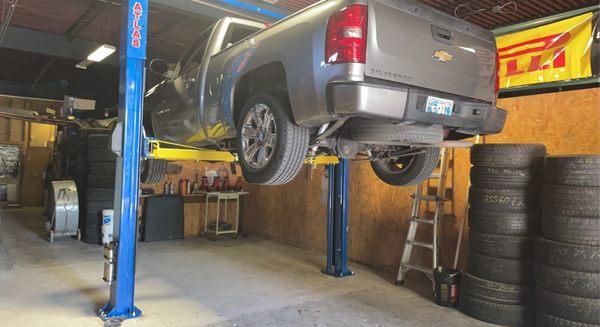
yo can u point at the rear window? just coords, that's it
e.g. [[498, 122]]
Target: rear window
[[236, 33]]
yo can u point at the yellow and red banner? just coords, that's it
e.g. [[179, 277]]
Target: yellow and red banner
[[554, 52]]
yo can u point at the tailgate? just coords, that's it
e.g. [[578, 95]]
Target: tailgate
[[418, 45]]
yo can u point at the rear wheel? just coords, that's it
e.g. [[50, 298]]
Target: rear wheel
[[409, 170], [271, 147]]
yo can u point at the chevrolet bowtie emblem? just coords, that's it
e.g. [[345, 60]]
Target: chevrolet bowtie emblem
[[442, 55]]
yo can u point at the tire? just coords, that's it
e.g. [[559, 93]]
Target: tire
[[414, 169], [92, 235], [502, 314], [94, 207], [573, 179], [153, 171], [504, 178], [504, 223], [567, 256], [93, 220], [79, 159], [288, 148], [101, 155], [574, 230], [377, 132], [101, 181], [508, 155], [81, 186], [495, 292], [565, 195], [565, 200], [511, 200], [568, 307], [79, 170], [501, 246], [100, 194], [548, 320], [578, 170], [102, 168], [99, 141], [569, 282], [500, 270]]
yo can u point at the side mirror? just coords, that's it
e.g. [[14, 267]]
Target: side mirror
[[160, 67]]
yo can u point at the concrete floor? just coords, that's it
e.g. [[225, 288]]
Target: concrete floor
[[195, 282]]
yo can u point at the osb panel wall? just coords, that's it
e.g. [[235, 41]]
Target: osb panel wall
[[36, 142], [194, 206], [567, 122]]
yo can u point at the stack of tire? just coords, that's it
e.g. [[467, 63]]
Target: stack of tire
[[567, 268], [100, 182], [504, 218]]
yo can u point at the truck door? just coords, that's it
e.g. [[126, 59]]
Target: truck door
[[176, 116], [219, 122]]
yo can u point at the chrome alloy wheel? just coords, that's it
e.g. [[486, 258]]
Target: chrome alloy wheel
[[258, 136]]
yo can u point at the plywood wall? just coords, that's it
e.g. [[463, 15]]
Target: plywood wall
[[36, 142], [567, 122], [194, 206]]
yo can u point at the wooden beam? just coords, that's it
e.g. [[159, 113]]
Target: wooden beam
[[48, 63], [93, 11]]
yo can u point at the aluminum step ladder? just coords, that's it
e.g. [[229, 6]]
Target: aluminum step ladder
[[418, 197]]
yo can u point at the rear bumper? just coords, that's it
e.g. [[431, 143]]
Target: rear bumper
[[400, 104]]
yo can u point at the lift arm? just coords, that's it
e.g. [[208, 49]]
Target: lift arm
[[156, 149]]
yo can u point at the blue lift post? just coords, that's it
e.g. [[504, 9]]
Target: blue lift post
[[337, 220], [132, 57]]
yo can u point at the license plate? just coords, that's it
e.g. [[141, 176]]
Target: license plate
[[439, 106]]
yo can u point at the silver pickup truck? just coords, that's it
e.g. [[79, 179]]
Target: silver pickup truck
[[390, 81]]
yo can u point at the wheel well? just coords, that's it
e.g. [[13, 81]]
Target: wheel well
[[270, 77]]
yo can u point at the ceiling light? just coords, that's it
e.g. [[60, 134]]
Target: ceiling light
[[84, 64], [101, 53]]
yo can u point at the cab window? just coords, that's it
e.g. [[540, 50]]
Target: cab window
[[194, 56], [237, 32]]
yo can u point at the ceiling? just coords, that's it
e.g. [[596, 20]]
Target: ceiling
[[480, 12], [84, 24], [87, 24]]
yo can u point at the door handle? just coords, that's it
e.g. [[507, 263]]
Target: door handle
[[213, 88], [442, 35]]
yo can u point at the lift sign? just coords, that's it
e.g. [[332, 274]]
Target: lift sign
[[137, 25], [555, 52]]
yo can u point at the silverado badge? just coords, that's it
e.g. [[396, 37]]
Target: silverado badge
[[442, 55]]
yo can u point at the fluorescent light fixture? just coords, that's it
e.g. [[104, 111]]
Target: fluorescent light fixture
[[84, 64], [101, 53]]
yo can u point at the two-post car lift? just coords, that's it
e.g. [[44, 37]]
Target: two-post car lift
[[131, 146]]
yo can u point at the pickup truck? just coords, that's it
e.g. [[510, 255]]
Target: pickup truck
[[390, 81]]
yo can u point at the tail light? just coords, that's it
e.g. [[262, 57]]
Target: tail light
[[346, 40], [497, 86]]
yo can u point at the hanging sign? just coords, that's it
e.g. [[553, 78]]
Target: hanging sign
[[554, 52]]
